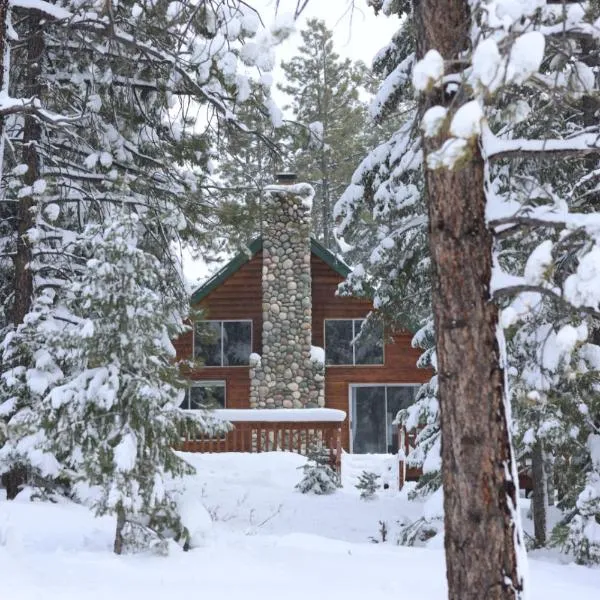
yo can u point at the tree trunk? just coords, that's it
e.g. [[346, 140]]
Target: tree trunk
[[479, 477], [4, 53], [549, 470], [13, 480], [23, 279], [118, 546], [538, 497]]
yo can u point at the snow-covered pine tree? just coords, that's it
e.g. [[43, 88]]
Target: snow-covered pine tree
[[367, 485], [528, 184], [385, 199], [148, 84], [331, 132], [551, 343], [318, 477], [105, 412], [509, 52]]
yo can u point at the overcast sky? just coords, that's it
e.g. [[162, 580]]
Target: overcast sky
[[358, 35]]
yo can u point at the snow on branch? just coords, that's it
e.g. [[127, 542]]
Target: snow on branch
[[10, 106], [52, 10], [495, 148]]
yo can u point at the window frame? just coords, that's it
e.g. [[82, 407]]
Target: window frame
[[353, 363], [221, 321], [205, 383]]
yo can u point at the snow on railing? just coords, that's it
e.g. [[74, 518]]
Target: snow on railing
[[274, 415]]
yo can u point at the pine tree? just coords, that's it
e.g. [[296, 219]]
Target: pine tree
[[367, 485], [246, 165], [138, 89], [382, 218], [318, 475], [331, 132], [104, 412]]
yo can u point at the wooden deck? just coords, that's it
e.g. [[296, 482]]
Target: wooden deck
[[271, 435]]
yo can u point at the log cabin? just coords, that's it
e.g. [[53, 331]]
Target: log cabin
[[273, 333]]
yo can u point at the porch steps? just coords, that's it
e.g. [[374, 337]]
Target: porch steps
[[385, 465]]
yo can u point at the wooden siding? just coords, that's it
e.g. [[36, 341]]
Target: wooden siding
[[240, 297], [400, 357]]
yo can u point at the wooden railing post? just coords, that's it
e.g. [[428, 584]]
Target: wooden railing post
[[401, 453]]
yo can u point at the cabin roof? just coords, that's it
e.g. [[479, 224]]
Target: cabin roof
[[316, 248]]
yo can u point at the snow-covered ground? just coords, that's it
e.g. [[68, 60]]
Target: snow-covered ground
[[266, 541]]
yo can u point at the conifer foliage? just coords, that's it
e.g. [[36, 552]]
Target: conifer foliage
[[318, 475], [516, 112], [331, 128], [105, 413], [105, 163], [367, 485]]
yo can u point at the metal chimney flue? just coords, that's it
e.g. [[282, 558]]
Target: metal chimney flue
[[286, 178]]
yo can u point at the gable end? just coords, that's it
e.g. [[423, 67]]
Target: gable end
[[253, 248]]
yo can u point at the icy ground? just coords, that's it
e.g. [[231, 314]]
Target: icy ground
[[266, 541]]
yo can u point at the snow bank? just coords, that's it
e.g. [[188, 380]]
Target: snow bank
[[262, 527], [194, 517]]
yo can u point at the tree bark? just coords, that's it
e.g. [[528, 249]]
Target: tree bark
[[4, 49], [32, 132], [118, 546], [477, 462], [23, 278], [539, 496]]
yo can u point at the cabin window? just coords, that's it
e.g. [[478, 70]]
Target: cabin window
[[223, 343], [205, 395], [346, 344], [373, 411]]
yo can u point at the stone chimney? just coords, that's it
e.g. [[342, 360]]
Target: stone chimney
[[286, 374]]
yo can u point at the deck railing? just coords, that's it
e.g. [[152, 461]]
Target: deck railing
[[266, 430], [406, 442]]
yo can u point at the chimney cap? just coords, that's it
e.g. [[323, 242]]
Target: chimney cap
[[286, 178]]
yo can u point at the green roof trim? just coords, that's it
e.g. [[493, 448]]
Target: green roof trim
[[328, 257]]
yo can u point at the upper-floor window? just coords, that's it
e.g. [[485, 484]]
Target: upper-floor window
[[346, 344], [223, 343]]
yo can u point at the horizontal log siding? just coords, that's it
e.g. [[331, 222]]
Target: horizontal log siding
[[400, 357], [240, 297]]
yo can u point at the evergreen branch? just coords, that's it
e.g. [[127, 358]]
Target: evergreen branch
[[513, 290]]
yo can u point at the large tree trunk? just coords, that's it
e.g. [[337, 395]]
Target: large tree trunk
[[23, 279], [31, 135], [477, 464]]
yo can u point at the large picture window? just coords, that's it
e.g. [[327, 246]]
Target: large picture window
[[223, 343], [346, 343], [205, 395], [374, 409]]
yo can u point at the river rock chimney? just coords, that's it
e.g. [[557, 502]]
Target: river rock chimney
[[287, 374]]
